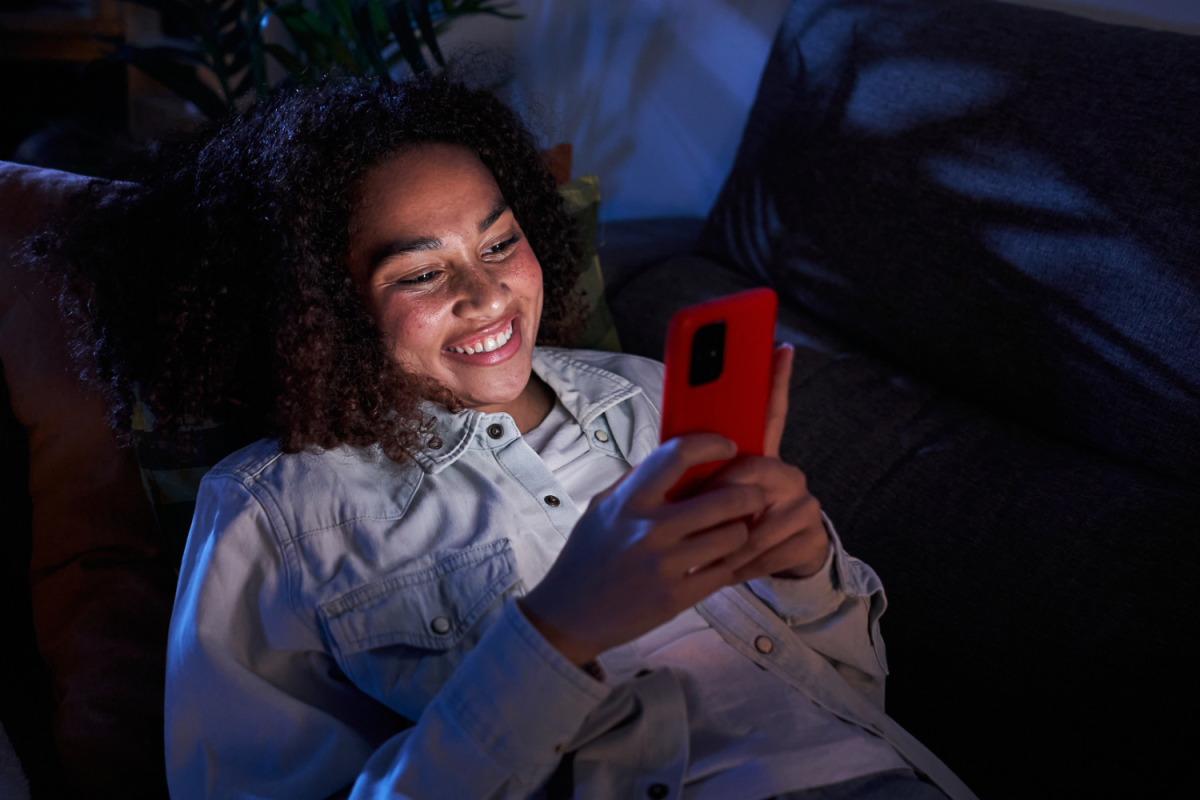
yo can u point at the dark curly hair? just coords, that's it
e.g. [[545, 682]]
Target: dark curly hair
[[215, 286]]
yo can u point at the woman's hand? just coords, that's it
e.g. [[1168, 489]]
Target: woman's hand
[[788, 539], [635, 561]]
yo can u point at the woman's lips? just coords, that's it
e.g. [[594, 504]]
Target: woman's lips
[[486, 340], [503, 349]]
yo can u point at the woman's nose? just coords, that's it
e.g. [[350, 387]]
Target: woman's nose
[[482, 292]]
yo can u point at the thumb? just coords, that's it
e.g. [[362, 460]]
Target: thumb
[[777, 406], [604, 494]]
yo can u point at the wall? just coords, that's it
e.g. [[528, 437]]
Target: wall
[[653, 94]]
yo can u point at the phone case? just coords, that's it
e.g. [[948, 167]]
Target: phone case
[[734, 404]]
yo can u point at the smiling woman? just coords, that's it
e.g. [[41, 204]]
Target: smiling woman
[[451, 279], [301, 188], [450, 569]]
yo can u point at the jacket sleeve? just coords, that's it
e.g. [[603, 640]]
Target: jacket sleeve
[[836, 612], [257, 707]]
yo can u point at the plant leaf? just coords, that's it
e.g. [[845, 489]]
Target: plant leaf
[[401, 25], [339, 9], [420, 11], [296, 15], [244, 85], [312, 37], [368, 42], [128, 53], [230, 14], [287, 59], [233, 39], [238, 60], [183, 81]]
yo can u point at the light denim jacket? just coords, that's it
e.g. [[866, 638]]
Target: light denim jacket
[[327, 601]]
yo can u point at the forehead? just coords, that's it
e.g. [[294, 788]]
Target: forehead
[[427, 178]]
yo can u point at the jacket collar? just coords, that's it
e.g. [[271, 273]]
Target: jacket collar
[[586, 391]]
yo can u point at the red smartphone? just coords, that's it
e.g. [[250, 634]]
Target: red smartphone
[[718, 376]]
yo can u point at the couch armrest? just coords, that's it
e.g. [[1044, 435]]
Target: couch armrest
[[102, 588]]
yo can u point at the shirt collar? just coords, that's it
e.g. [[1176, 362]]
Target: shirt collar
[[585, 390]]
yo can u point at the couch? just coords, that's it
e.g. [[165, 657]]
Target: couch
[[983, 222]]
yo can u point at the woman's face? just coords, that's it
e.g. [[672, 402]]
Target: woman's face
[[448, 274]]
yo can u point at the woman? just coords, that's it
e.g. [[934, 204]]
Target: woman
[[449, 570]]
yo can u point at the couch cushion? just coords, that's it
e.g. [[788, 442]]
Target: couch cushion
[[102, 588], [1004, 199], [1038, 590]]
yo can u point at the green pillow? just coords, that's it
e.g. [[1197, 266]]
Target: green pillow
[[582, 197]]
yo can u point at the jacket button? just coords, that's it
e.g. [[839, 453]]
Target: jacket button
[[764, 644], [495, 431], [440, 625], [551, 500], [657, 791], [601, 436]]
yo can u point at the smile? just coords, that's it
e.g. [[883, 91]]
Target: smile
[[486, 344]]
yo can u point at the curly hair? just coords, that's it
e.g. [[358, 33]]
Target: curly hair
[[215, 285]]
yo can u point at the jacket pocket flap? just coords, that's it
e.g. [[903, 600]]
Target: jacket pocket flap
[[429, 608]]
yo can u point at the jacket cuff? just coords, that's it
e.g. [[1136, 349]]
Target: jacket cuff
[[524, 700], [801, 600]]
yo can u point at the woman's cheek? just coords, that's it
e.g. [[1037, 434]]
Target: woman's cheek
[[411, 329]]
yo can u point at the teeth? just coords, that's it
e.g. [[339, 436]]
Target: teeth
[[488, 344]]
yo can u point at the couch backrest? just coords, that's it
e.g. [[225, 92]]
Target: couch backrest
[[1004, 199]]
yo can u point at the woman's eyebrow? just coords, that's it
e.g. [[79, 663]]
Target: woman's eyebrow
[[490, 220], [424, 244], [400, 247]]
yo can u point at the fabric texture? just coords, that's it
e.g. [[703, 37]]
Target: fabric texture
[[1004, 200], [328, 599], [13, 785], [983, 221], [1028, 576], [748, 734], [891, 785]]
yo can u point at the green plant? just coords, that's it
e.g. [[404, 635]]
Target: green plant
[[219, 58]]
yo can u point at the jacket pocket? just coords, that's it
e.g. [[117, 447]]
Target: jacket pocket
[[430, 608]]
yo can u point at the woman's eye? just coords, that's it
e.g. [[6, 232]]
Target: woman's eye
[[505, 246], [424, 277]]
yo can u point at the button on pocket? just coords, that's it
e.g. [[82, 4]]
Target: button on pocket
[[431, 607], [551, 500], [601, 436], [495, 431]]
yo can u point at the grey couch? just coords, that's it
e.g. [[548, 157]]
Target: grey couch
[[983, 222]]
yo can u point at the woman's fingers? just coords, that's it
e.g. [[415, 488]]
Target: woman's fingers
[[778, 479], [663, 468], [604, 494], [777, 406], [798, 520], [796, 557], [702, 550], [709, 509]]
